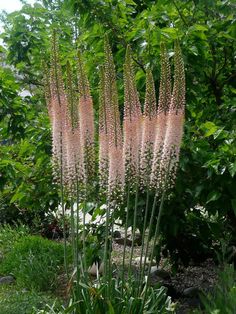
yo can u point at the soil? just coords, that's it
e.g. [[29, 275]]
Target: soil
[[185, 286]]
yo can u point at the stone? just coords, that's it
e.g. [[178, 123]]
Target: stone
[[160, 272], [7, 280], [138, 239], [116, 234], [191, 292], [96, 268], [121, 241], [137, 261]]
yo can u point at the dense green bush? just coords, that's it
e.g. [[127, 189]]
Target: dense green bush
[[35, 262], [25, 167]]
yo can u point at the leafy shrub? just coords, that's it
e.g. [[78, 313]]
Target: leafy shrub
[[35, 262], [15, 301]]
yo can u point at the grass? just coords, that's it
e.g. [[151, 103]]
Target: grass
[[15, 300], [35, 262]]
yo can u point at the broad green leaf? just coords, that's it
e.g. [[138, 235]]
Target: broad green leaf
[[213, 196], [233, 202], [232, 168], [209, 128]]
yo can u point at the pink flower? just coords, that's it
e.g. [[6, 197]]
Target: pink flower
[[161, 118], [175, 122], [148, 130], [114, 133], [86, 123], [132, 121]]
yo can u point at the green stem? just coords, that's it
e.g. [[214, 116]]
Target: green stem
[[133, 231], [72, 225], [149, 232], [125, 238], [77, 235], [84, 239], [157, 229], [105, 258], [142, 265], [156, 235], [63, 211], [109, 252]]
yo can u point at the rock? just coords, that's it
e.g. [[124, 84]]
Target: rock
[[121, 241], [138, 239], [116, 234], [101, 268], [95, 268], [7, 280], [191, 292], [160, 272], [137, 261], [171, 291]]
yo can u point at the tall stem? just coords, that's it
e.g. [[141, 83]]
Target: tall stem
[[72, 226], [156, 234], [110, 250], [134, 228], [63, 208], [157, 229], [142, 265], [125, 238], [84, 238], [106, 243], [77, 262], [149, 233]]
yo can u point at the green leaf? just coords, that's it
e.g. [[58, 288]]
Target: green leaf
[[110, 308], [198, 27], [233, 202], [209, 128], [232, 169], [131, 2], [17, 197], [213, 196]]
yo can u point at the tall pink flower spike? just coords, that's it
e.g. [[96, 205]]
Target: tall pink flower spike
[[115, 150], [75, 171], [175, 122], [86, 123], [57, 108], [161, 118], [148, 131], [132, 121], [103, 136]]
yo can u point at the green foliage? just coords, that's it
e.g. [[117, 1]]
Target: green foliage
[[25, 155], [35, 262], [17, 301], [92, 300]]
